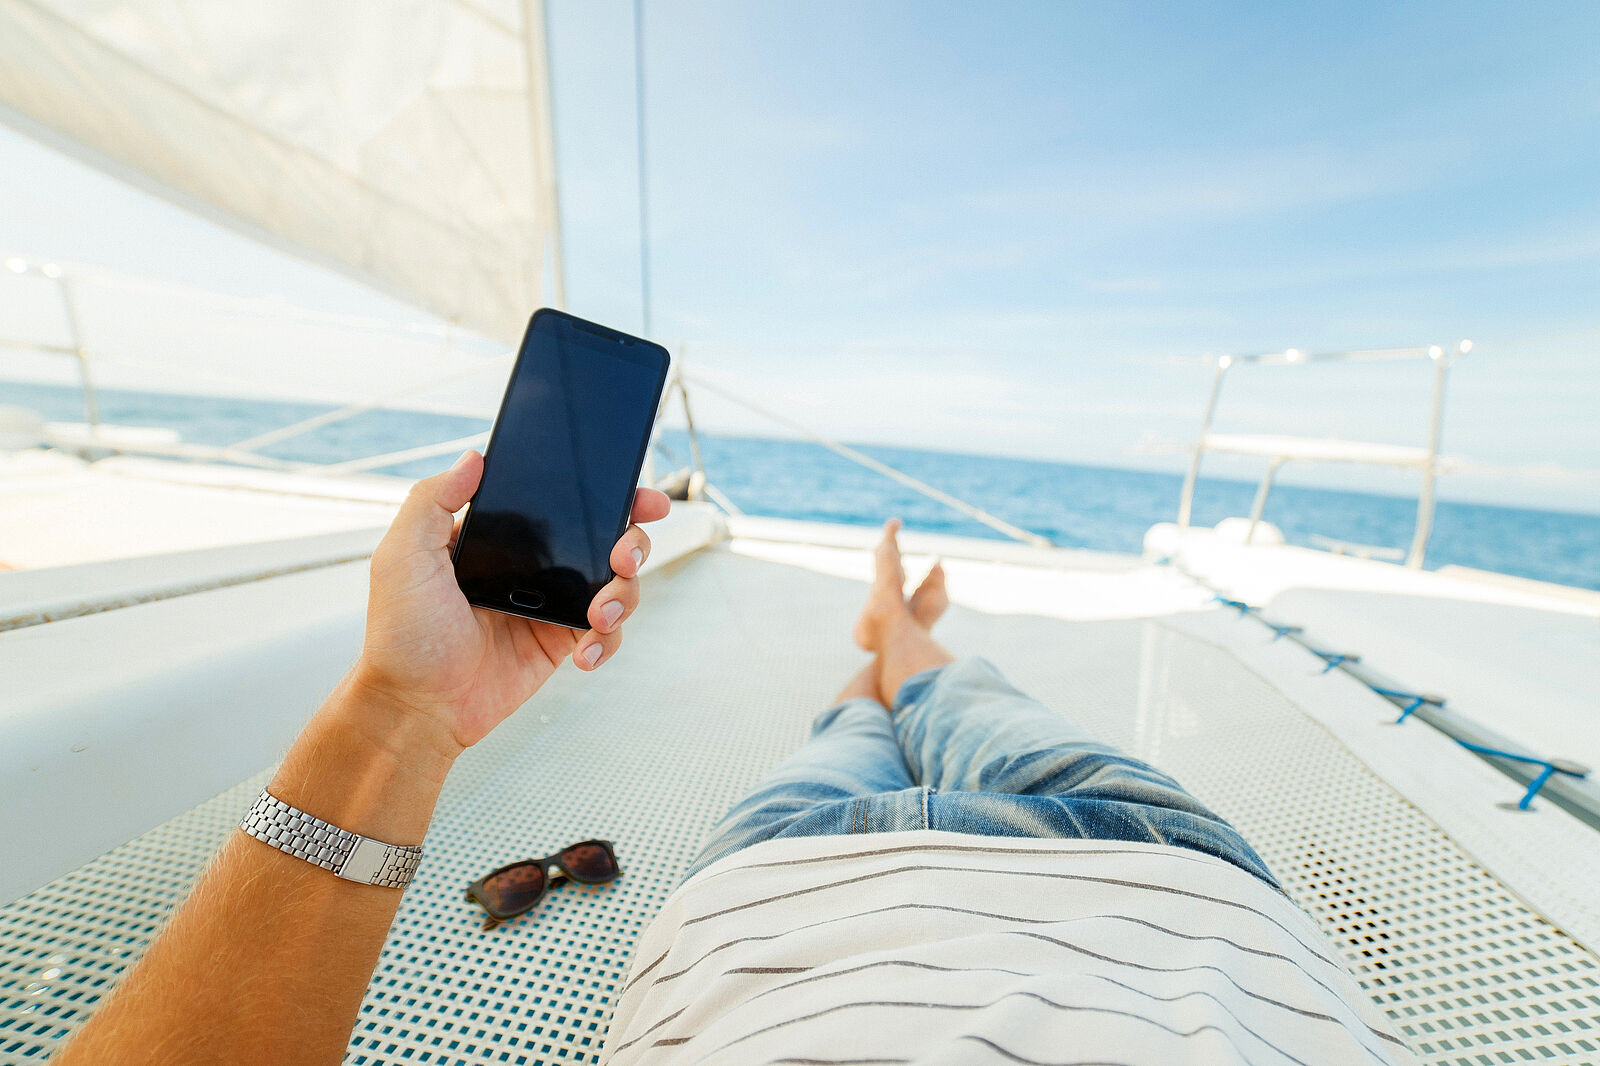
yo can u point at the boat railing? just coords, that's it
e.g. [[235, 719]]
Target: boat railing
[[246, 452], [1279, 450], [74, 348], [96, 437]]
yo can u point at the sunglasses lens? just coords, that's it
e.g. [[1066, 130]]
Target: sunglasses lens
[[589, 862], [515, 890]]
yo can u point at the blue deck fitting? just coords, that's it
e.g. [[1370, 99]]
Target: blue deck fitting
[[1279, 632], [1411, 700], [1334, 658], [1547, 768], [1239, 605]]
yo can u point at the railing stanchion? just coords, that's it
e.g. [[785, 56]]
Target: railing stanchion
[[1187, 501]]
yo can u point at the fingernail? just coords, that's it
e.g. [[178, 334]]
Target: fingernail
[[461, 462], [638, 558], [592, 653], [611, 612]]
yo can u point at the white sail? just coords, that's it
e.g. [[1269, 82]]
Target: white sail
[[407, 143]]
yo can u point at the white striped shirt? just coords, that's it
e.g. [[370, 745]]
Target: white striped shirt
[[932, 947]]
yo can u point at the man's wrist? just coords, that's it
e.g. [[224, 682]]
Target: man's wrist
[[368, 763], [415, 731]]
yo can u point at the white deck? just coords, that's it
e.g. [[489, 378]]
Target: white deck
[[1521, 657], [1317, 449], [56, 510]]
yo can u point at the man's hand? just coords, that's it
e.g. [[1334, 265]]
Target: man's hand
[[463, 669], [268, 958]]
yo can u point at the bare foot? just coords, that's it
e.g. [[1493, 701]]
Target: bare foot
[[886, 605], [930, 599]]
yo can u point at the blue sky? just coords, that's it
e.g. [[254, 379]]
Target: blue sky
[[995, 226], [1016, 228]]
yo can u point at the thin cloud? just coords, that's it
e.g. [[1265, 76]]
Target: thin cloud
[[1186, 186]]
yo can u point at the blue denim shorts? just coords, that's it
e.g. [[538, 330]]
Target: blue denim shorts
[[965, 752]]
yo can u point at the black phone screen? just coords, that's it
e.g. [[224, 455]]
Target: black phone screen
[[560, 470]]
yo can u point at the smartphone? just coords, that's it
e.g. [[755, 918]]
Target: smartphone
[[560, 470]]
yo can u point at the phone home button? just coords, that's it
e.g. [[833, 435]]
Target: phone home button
[[527, 598]]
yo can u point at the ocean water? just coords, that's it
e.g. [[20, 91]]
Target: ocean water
[[1099, 508]]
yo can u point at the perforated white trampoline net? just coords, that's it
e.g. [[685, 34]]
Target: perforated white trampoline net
[[721, 676]]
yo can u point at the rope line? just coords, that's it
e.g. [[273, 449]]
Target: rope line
[[1000, 525], [1411, 702]]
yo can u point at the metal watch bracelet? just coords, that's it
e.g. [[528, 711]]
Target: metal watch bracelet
[[349, 855]]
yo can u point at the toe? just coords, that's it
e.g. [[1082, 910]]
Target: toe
[[929, 601], [889, 570]]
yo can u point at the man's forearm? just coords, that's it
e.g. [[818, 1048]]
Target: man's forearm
[[269, 957]]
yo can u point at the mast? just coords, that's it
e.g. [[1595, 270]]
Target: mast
[[644, 193], [541, 130]]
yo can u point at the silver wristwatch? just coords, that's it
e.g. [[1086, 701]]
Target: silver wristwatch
[[352, 857]]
